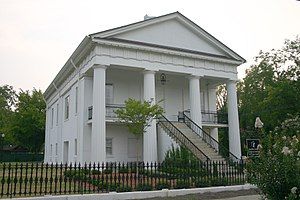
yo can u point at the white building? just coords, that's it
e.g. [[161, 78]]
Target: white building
[[167, 57]]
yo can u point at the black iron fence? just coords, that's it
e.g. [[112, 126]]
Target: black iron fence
[[211, 117], [37, 179]]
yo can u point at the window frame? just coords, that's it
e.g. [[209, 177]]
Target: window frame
[[67, 108], [106, 146]]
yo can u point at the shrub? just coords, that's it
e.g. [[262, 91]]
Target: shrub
[[218, 181], [125, 188], [202, 183], [277, 169], [107, 171], [112, 187], [144, 187], [162, 185], [123, 170], [181, 184]]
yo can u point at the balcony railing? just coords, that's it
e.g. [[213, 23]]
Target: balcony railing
[[212, 117], [110, 111]]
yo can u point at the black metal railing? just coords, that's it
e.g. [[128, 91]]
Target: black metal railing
[[208, 139], [213, 117], [38, 179], [181, 138], [90, 112], [110, 111]]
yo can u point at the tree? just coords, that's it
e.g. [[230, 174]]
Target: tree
[[137, 116], [271, 89], [8, 99], [28, 124]]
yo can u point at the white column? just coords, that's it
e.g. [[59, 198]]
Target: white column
[[212, 98], [150, 137], [47, 138], [82, 112], [233, 120], [59, 130], [195, 101], [98, 139]]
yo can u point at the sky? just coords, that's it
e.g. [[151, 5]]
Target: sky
[[38, 36]]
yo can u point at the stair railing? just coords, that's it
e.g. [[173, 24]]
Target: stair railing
[[207, 138], [181, 138]]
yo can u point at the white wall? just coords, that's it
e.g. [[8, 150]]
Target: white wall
[[120, 136]]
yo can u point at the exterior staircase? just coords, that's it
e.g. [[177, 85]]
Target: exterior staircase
[[210, 152], [194, 138]]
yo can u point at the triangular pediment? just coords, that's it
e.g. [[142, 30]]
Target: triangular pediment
[[173, 30], [171, 33]]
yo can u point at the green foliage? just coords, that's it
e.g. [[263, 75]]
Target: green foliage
[[144, 187], [182, 184], [124, 188], [162, 185], [271, 89], [8, 99], [138, 115], [28, 122], [276, 172]]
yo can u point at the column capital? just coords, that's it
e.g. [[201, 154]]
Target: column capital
[[146, 71], [231, 81], [100, 66], [194, 77]]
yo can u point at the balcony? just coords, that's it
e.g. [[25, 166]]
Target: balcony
[[211, 117], [110, 111]]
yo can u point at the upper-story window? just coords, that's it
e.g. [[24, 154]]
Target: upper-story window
[[67, 107], [76, 100], [52, 117], [109, 94], [57, 108]]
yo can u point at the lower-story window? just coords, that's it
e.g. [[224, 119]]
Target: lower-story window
[[109, 146]]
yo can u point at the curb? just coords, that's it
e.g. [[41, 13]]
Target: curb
[[142, 194]]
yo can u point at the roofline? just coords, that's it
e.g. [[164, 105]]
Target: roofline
[[131, 24], [187, 19], [242, 59], [165, 47], [83, 44]]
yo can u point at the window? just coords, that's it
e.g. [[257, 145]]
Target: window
[[76, 100], [67, 107], [109, 150], [56, 149], [75, 146], [109, 94], [52, 117], [57, 114]]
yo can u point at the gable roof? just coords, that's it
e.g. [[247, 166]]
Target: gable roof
[[113, 33]]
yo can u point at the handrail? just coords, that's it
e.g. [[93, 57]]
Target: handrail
[[174, 127], [210, 139]]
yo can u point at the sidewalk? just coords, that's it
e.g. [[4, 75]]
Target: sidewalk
[[251, 197]]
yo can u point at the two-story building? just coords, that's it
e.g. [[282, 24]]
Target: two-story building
[[167, 58]]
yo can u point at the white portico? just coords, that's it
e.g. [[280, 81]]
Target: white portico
[[111, 66]]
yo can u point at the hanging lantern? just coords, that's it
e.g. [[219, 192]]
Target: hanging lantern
[[163, 78]]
